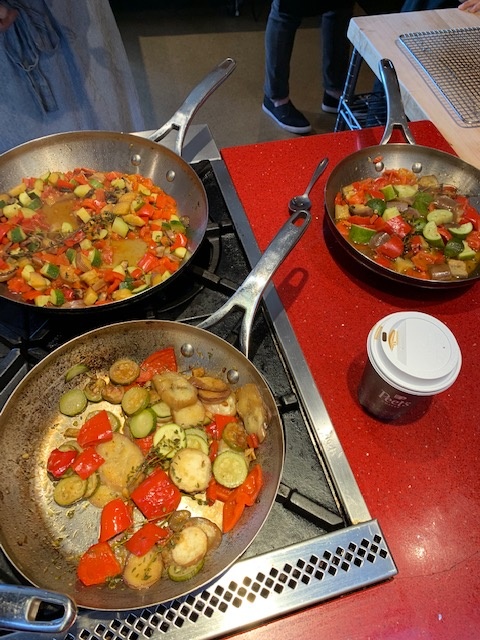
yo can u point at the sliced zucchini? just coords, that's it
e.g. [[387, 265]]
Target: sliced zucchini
[[431, 234], [93, 390], [360, 235], [69, 490], [467, 253], [124, 371], [235, 436], [440, 216], [406, 191], [73, 402], [135, 399], [180, 574], [93, 482], [461, 231], [168, 439], [197, 432], [144, 571], [195, 441], [230, 469], [162, 410], [76, 370], [143, 423]]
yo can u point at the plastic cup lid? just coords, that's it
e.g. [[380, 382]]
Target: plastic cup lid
[[414, 352]]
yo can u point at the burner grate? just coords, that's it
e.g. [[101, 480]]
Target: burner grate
[[451, 59]]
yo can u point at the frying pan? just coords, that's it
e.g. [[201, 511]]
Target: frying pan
[[128, 153], [40, 538], [420, 159]]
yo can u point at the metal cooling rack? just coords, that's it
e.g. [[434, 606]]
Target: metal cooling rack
[[451, 58]]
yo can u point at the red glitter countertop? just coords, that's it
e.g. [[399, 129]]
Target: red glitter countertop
[[420, 479]]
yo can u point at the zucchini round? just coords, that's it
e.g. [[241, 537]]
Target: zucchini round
[[69, 490], [73, 402], [230, 469]]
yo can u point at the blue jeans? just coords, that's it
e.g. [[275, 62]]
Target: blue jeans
[[279, 39]]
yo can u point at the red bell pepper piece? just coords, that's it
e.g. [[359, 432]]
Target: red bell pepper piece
[[146, 211], [144, 444], [213, 450], [233, 509], [59, 461], [64, 185], [252, 441], [473, 240], [158, 362], [87, 462], [95, 430], [392, 248], [398, 226], [116, 517], [156, 496], [98, 564], [145, 538], [216, 491], [251, 486], [218, 424], [181, 240], [148, 262]]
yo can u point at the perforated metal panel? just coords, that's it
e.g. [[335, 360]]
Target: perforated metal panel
[[256, 589]]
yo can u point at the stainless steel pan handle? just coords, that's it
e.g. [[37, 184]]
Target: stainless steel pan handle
[[182, 118], [395, 111], [249, 294], [19, 607]]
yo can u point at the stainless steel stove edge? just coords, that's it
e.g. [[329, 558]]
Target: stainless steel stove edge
[[322, 430]]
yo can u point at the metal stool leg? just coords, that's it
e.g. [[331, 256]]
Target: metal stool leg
[[348, 90]]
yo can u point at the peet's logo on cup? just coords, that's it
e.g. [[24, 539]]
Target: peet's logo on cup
[[396, 401]]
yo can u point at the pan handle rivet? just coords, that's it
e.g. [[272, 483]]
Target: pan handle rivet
[[136, 160], [233, 376], [170, 175], [187, 350], [417, 167]]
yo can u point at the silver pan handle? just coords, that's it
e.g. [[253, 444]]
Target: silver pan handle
[[181, 119], [395, 111], [19, 607], [249, 294]]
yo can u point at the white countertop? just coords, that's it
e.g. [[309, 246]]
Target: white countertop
[[376, 37]]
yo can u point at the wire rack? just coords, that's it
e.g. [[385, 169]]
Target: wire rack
[[451, 58]]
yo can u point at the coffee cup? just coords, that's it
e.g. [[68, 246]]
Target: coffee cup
[[411, 355]]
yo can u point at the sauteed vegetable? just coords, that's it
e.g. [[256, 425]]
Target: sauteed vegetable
[[413, 225], [85, 238], [166, 461]]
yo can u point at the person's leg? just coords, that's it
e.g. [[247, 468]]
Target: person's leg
[[335, 54], [279, 38]]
